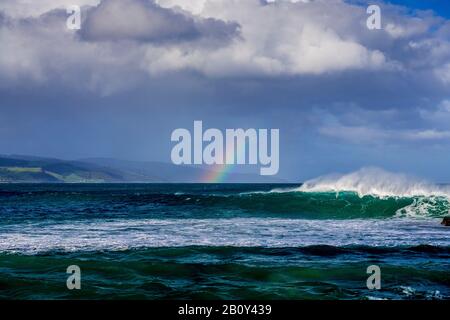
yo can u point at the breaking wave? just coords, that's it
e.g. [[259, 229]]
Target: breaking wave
[[380, 190], [376, 182]]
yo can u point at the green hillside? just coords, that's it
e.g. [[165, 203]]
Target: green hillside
[[49, 170]]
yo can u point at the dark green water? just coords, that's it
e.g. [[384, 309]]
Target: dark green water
[[218, 242]]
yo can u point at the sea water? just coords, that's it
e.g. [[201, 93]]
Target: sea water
[[221, 241]]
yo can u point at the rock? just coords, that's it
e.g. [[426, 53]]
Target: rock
[[446, 221]]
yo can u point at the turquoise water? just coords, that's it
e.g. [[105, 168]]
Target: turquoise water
[[212, 241]]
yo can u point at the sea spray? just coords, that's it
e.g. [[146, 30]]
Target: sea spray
[[375, 182]]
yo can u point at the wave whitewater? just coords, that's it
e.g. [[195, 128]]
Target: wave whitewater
[[373, 184], [376, 182], [123, 234]]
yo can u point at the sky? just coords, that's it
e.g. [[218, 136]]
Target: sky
[[342, 95]]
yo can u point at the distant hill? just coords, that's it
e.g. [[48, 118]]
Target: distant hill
[[19, 168], [30, 169]]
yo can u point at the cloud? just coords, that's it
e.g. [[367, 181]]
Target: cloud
[[285, 38], [25, 8], [439, 116], [142, 20], [355, 134], [361, 134], [427, 135], [341, 94], [129, 42], [443, 73], [356, 125]]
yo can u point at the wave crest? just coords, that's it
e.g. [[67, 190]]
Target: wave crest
[[375, 182]]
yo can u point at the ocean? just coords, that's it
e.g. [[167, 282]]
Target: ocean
[[220, 241]]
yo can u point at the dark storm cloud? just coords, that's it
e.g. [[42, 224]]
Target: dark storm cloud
[[145, 21]]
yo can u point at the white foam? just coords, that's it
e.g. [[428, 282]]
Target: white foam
[[420, 207], [125, 234], [375, 182]]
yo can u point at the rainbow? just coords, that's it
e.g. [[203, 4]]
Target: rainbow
[[218, 174]]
